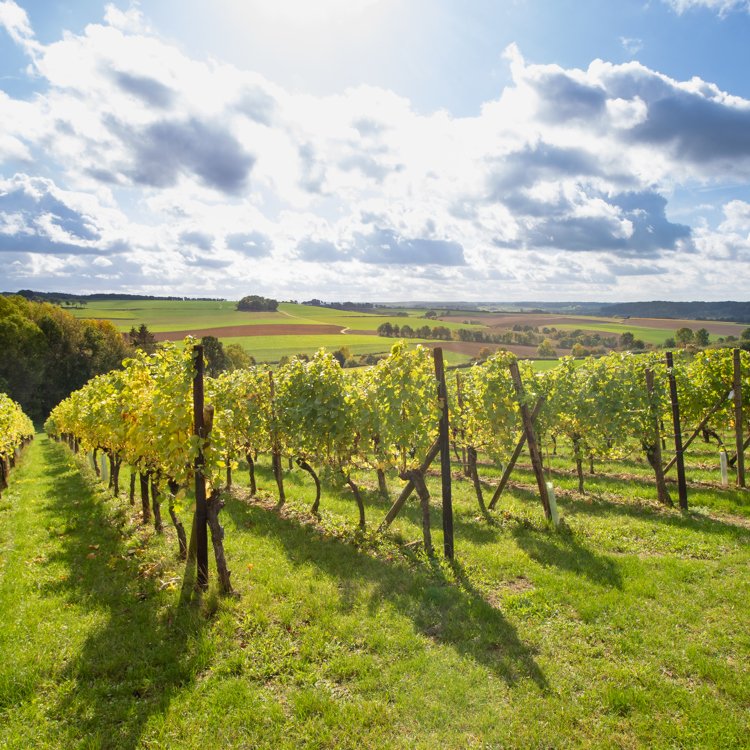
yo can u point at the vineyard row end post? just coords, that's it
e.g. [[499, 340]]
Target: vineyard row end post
[[681, 481], [738, 419], [201, 514], [445, 458]]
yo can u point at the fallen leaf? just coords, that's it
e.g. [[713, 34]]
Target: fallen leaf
[[91, 555]]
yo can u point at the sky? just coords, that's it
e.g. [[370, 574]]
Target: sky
[[377, 150]]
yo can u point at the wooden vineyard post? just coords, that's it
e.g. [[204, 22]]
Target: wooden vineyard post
[[698, 429], [275, 449], [653, 452], [738, 420], [201, 515], [681, 483], [528, 426], [445, 458], [516, 453]]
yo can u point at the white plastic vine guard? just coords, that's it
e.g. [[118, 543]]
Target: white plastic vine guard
[[552, 503], [723, 464]]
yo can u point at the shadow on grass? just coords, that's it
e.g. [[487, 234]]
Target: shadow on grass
[[439, 599], [144, 649], [687, 521], [595, 505], [566, 553]]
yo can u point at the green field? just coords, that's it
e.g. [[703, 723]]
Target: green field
[[624, 628], [165, 316], [362, 321], [196, 316], [162, 316]]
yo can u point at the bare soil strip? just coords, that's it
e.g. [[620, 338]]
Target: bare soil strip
[[273, 329]]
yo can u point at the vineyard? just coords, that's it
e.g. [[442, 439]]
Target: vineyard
[[179, 429], [621, 625], [16, 432]]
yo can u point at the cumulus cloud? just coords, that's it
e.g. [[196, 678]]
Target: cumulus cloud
[[173, 164], [738, 217], [250, 244], [384, 246], [197, 239], [16, 22], [36, 217], [319, 251], [167, 149], [129, 20], [148, 90]]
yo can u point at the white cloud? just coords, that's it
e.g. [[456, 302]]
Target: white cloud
[[130, 20], [632, 46], [16, 23], [720, 6], [193, 173], [738, 217]]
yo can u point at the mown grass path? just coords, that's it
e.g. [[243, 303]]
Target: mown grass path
[[627, 628]]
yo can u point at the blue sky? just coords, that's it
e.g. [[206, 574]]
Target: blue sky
[[374, 149]]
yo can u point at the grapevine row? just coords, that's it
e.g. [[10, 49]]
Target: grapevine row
[[16, 431], [339, 424]]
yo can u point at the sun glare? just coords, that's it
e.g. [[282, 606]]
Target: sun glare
[[311, 11]]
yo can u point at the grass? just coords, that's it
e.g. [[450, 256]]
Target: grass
[[624, 628], [169, 315], [366, 321]]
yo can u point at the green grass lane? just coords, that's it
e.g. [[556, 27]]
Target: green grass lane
[[625, 628]]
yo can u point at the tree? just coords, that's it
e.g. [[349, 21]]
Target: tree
[[143, 339], [545, 349], [484, 352], [701, 337], [745, 335], [639, 344], [238, 358], [214, 355], [254, 303], [576, 351], [342, 355], [670, 343], [684, 335], [626, 339], [385, 329]]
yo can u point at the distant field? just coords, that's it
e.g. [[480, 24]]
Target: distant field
[[221, 319], [650, 330], [367, 322], [172, 315], [163, 316]]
